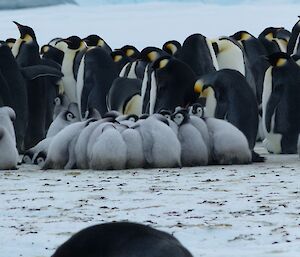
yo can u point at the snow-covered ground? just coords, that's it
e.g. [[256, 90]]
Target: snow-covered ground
[[251, 210]]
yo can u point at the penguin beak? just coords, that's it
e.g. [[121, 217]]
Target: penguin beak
[[198, 87]]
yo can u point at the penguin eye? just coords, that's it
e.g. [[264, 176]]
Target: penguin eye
[[40, 161], [167, 116], [199, 111], [70, 116], [26, 159], [57, 101], [132, 119]]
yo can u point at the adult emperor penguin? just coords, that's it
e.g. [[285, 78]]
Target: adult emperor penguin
[[197, 51], [172, 83], [72, 47], [109, 150], [121, 60], [267, 37], [228, 144], [131, 51], [281, 104], [228, 96], [172, 47], [230, 55], [161, 146], [96, 73], [194, 150], [293, 45], [255, 52], [95, 40], [124, 96], [122, 239]]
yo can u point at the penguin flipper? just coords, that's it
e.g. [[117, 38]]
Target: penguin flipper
[[271, 106], [147, 142], [36, 71]]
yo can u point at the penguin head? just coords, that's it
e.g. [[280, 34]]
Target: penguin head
[[26, 33], [165, 113], [278, 59], [180, 117], [119, 56], [132, 117], [27, 157], [151, 54], [269, 33], [10, 42], [161, 62], [72, 43], [172, 47], [94, 40], [203, 88], [242, 36], [198, 110], [40, 159], [131, 51]]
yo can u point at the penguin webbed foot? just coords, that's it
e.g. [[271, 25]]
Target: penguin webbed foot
[[257, 158]]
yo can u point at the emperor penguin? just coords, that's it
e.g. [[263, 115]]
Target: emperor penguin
[[64, 119], [95, 40], [131, 52], [58, 156], [194, 150], [281, 102], [52, 53], [124, 96], [268, 39], [293, 44], [228, 144], [121, 61], [61, 103], [9, 153], [171, 85], [122, 239], [10, 42], [161, 146], [172, 47], [72, 47], [228, 96], [96, 73], [109, 150], [197, 51], [230, 55]]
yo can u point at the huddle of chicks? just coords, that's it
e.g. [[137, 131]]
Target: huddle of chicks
[[184, 138]]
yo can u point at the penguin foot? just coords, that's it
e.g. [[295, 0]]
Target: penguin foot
[[257, 158]]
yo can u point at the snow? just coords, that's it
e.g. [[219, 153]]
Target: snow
[[215, 211]]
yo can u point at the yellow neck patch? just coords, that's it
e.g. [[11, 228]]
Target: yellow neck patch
[[270, 36], [129, 52], [163, 63], [198, 87], [172, 48], [152, 56], [100, 43], [117, 58], [281, 62], [245, 36]]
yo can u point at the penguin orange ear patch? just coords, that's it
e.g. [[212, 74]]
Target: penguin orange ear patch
[[152, 56], [129, 52], [245, 36], [269, 36], [100, 42], [198, 87], [163, 63], [117, 58], [281, 62]]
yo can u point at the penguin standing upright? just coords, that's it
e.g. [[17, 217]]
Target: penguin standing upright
[[72, 47], [97, 71], [95, 40], [228, 96], [281, 104], [267, 37], [230, 55], [194, 151]]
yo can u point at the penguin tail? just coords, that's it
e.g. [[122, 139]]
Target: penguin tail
[[257, 158]]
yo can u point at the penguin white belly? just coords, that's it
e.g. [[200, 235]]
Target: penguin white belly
[[232, 59], [193, 149], [211, 104], [153, 93], [228, 144], [131, 73], [212, 54], [134, 106], [123, 71], [109, 151], [9, 153], [272, 141], [80, 84], [144, 84], [68, 79], [135, 153]]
